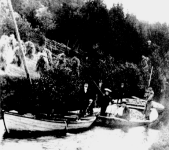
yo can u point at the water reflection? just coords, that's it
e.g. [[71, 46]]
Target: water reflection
[[98, 138]]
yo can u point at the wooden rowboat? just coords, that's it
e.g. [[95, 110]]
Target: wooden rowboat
[[16, 122], [119, 122]]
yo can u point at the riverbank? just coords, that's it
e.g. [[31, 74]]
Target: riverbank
[[151, 139], [163, 140], [98, 138]]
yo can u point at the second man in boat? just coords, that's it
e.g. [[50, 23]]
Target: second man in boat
[[123, 111], [105, 101]]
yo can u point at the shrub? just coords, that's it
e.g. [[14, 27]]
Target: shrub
[[30, 49], [17, 57], [3, 63], [24, 27], [49, 56], [61, 83], [41, 65], [6, 51], [14, 93]]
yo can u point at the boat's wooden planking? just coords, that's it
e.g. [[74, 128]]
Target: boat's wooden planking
[[119, 122], [81, 124], [20, 123]]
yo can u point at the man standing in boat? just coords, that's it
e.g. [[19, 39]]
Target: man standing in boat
[[86, 99], [150, 110], [90, 107], [149, 93], [145, 63], [105, 101]]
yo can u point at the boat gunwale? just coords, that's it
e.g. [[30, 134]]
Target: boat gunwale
[[46, 120], [82, 121], [67, 121], [125, 120]]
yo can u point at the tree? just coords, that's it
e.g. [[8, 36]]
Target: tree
[[126, 37], [95, 26], [117, 22], [67, 21], [24, 27]]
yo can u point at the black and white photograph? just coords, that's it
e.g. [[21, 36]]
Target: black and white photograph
[[84, 74]]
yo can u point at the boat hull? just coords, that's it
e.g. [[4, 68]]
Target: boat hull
[[16, 122], [119, 122], [82, 124]]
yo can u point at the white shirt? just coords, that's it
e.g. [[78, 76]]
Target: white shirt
[[120, 111], [153, 114], [112, 109]]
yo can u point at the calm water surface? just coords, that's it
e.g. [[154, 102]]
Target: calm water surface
[[97, 138]]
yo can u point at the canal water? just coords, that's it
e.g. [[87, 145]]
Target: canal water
[[96, 138]]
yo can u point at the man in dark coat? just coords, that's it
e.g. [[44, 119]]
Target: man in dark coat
[[90, 107], [121, 93], [85, 98], [105, 101]]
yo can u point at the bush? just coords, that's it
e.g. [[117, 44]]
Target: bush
[[17, 57], [6, 51], [30, 49], [41, 65], [24, 27], [131, 76], [56, 89], [61, 83], [49, 56], [3, 63], [15, 93]]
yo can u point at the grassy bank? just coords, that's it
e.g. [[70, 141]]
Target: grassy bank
[[13, 70], [13, 83]]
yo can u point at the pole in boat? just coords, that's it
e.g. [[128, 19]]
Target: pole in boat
[[96, 86], [150, 76], [93, 80], [19, 40]]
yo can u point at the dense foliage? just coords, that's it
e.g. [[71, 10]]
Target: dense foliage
[[106, 45]]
